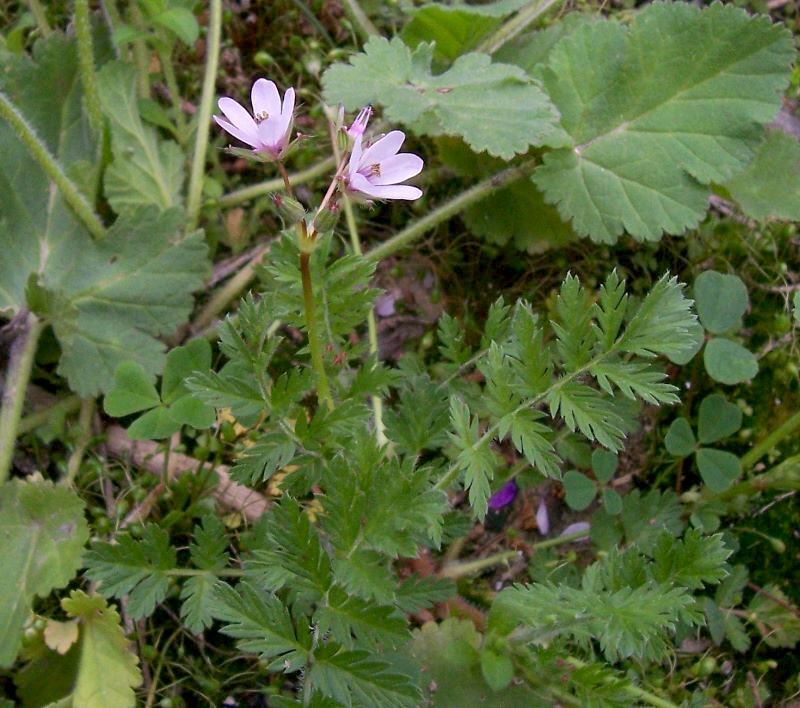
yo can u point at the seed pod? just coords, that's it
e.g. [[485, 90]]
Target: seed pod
[[290, 209]]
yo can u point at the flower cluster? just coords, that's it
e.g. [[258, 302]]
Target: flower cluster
[[374, 170]]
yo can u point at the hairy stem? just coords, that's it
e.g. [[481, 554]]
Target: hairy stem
[[140, 55], [449, 209], [65, 406], [168, 69], [82, 442], [640, 693], [275, 185], [20, 364], [39, 151], [783, 431], [317, 363], [204, 114], [40, 17], [515, 25], [358, 17], [83, 31]]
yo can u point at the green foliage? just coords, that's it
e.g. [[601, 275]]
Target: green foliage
[[769, 187], [42, 533], [721, 301], [145, 171], [671, 121], [107, 301], [591, 344], [107, 670], [628, 602], [133, 392], [455, 102], [134, 568], [717, 419]]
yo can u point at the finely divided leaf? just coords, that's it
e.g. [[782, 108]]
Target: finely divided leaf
[[457, 102], [134, 568], [356, 678], [656, 111], [475, 456], [261, 624]]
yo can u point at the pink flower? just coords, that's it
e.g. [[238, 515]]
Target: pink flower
[[360, 123], [377, 170], [269, 129]]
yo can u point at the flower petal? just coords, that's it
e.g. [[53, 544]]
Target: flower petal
[[387, 146], [399, 168], [236, 133], [265, 98], [355, 156], [361, 184], [239, 117]]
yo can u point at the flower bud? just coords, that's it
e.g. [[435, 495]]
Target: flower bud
[[359, 125], [290, 209], [326, 219]]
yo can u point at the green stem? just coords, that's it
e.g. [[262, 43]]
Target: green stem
[[515, 25], [140, 55], [50, 165], [65, 406], [83, 31], [358, 17], [372, 325], [40, 16], [783, 431], [82, 442], [190, 572], [783, 477], [459, 570], [20, 365], [474, 194], [168, 69], [204, 114], [630, 689], [323, 390], [223, 297], [274, 185]]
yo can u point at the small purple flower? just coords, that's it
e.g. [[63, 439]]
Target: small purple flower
[[269, 129], [504, 496], [377, 170], [360, 123]]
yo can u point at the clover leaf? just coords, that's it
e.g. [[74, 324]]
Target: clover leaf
[[134, 392]]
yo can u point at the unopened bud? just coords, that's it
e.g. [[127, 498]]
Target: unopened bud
[[359, 125], [290, 209], [326, 219]]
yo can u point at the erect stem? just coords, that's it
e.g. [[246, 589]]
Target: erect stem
[[776, 436], [323, 390], [20, 364], [40, 16], [287, 185], [82, 442], [372, 325], [275, 185], [630, 689], [449, 209], [168, 69], [50, 165], [515, 25], [204, 114], [359, 18], [140, 55], [83, 30]]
